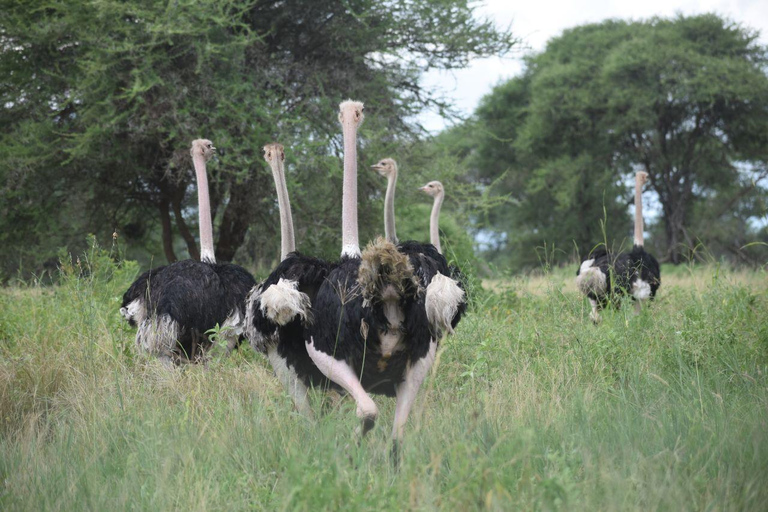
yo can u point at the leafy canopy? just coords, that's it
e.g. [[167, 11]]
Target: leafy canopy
[[100, 100]]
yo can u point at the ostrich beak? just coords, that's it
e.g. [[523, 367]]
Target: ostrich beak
[[375, 168], [423, 189]]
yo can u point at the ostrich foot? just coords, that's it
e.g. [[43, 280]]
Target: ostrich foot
[[368, 424]]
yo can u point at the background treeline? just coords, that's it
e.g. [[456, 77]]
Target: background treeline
[[683, 99], [99, 101]]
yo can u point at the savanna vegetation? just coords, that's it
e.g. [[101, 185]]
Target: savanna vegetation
[[530, 407]]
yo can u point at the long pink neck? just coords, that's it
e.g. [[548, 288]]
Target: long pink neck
[[204, 210], [389, 208], [287, 240], [434, 222], [638, 211], [350, 244]]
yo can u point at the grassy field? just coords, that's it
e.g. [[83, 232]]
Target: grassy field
[[530, 407]]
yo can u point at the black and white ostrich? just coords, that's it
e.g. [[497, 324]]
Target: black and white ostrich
[[445, 297], [446, 294], [603, 275], [370, 332], [278, 309], [176, 304]]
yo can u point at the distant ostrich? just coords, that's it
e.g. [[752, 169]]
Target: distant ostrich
[[370, 332], [445, 298], [388, 169], [176, 304], [278, 308], [637, 272]]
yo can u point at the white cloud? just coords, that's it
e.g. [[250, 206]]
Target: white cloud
[[537, 22]]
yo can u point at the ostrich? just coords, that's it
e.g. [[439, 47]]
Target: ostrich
[[387, 168], [176, 304], [445, 296], [636, 272], [370, 332], [278, 308]]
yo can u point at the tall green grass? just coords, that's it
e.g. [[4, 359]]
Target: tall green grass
[[530, 407]]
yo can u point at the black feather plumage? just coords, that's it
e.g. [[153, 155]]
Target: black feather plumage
[[427, 262], [310, 273], [622, 271], [341, 334], [196, 295], [138, 290]]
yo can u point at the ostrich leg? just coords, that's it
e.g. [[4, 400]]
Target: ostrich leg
[[291, 381], [406, 393], [341, 373]]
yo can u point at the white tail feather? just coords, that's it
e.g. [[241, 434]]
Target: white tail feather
[[442, 302], [136, 311], [591, 280], [158, 336], [282, 302], [259, 341]]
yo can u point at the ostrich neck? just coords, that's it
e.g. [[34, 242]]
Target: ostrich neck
[[204, 211], [350, 244], [434, 222], [389, 209], [638, 212], [287, 240]]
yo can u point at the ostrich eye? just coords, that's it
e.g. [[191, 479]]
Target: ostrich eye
[[282, 156]]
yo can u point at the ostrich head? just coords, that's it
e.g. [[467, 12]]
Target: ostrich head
[[642, 177], [203, 147], [386, 167], [274, 150], [433, 188], [351, 112]]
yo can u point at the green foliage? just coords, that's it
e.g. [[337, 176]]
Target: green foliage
[[100, 100], [530, 407], [683, 99]]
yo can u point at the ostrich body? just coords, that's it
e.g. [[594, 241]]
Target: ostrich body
[[370, 332], [176, 304], [445, 298], [603, 275], [278, 309]]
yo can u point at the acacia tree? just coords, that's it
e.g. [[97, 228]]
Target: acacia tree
[[100, 101], [688, 102], [684, 99]]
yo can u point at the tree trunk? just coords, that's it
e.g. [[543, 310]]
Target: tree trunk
[[235, 220], [674, 204], [194, 252], [165, 221]]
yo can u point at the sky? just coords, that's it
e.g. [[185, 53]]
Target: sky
[[538, 21]]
